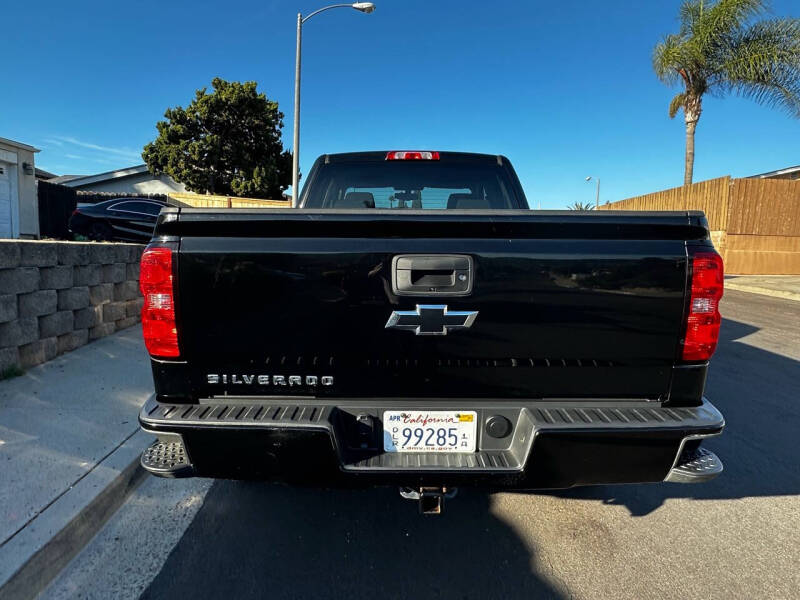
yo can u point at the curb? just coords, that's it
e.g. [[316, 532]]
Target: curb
[[46, 562], [754, 289]]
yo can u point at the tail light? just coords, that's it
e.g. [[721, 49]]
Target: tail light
[[412, 155], [157, 282], [703, 318]]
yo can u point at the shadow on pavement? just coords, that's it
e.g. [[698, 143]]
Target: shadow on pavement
[[253, 540], [758, 392], [258, 540]]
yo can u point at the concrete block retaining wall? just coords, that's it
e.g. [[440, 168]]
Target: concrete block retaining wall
[[57, 296]]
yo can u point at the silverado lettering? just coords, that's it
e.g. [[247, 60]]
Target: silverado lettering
[[236, 379]]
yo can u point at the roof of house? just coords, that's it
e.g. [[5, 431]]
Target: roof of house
[[82, 180], [64, 178], [777, 173], [42, 174], [19, 145]]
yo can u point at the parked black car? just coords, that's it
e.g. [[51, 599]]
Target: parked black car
[[120, 219]]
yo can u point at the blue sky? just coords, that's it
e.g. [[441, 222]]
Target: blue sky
[[565, 90]]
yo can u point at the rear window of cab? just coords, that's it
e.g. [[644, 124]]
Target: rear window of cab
[[412, 185]]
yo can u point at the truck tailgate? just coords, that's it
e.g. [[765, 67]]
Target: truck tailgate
[[569, 305]]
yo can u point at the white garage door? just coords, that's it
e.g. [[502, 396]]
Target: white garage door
[[5, 201]]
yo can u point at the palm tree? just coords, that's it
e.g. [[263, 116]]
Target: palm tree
[[581, 206], [727, 46]]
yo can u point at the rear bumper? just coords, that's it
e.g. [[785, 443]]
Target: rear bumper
[[339, 443]]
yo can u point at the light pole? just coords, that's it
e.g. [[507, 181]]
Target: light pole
[[597, 193], [365, 7]]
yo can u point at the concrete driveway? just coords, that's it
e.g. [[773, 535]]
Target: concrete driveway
[[735, 537]]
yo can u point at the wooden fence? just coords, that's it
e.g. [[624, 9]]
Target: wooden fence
[[709, 196], [205, 201], [755, 223]]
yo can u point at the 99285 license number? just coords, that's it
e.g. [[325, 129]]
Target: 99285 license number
[[429, 431]]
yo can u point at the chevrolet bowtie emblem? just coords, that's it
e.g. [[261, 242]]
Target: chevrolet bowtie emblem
[[431, 319]]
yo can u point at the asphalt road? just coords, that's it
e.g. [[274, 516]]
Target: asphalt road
[[735, 537]]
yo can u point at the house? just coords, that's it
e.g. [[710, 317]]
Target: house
[[19, 213], [132, 180], [788, 173]]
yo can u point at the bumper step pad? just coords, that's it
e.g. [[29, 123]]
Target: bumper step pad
[[166, 459], [695, 466], [647, 438], [498, 460]]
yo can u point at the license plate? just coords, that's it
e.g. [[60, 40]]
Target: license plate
[[429, 431]]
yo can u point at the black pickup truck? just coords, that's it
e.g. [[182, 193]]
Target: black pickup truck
[[414, 324]]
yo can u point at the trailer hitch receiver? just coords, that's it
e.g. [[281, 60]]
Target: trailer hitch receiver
[[430, 498]]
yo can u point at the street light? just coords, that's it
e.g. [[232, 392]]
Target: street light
[[365, 7], [597, 193]]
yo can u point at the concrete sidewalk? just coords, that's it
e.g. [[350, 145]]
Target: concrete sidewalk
[[778, 286], [68, 432]]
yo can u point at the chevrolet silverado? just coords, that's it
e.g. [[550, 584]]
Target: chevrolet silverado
[[414, 324]]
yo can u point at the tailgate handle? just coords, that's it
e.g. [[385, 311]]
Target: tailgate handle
[[432, 275]]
